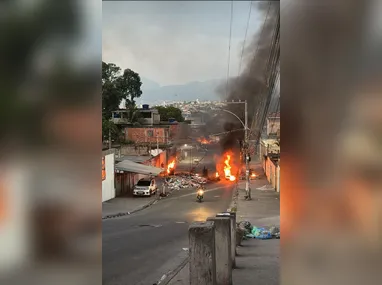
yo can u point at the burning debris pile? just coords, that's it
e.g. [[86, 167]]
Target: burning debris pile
[[225, 166], [181, 181], [204, 141], [227, 169], [177, 181], [171, 167]]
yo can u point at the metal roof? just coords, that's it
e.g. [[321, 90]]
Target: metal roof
[[133, 167], [134, 158]]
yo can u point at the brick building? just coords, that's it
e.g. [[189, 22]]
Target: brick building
[[147, 134], [273, 124], [150, 129], [151, 134]]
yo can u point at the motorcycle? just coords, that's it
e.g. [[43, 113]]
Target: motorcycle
[[200, 194]]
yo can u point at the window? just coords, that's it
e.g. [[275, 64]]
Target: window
[[150, 133], [143, 183], [146, 115]]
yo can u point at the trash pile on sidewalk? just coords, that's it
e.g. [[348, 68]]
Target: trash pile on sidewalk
[[180, 181], [246, 230]]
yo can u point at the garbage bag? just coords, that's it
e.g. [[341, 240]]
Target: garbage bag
[[250, 235], [262, 233], [246, 226], [275, 231], [240, 235], [257, 231]]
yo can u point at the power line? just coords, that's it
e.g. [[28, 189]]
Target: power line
[[277, 111], [274, 105], [270, 77], [229, 47], [255, 54], [245, 38], [273, 70]]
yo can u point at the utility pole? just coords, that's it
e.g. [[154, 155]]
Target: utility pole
[[246, 142], [109, 138], [246, 146], [157, 144]]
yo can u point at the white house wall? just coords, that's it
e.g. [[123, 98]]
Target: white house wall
[[108, 189]]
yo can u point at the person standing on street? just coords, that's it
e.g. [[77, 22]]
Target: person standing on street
[[164, 188]]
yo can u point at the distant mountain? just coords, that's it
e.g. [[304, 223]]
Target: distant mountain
[[148, 84], [153, 93]]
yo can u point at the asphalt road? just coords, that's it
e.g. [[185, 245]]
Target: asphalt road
[[205, 155], [141, 248]]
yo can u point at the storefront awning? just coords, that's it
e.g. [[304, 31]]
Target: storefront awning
[[133, 167]]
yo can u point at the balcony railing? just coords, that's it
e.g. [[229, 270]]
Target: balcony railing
[[120, 121]]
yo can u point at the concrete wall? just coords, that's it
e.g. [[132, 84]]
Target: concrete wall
[[125, 183], [146, 135], [159, 159], [269, 146], [278, 178], [272, 172], [108, 187], [173, 130], [156, 118], [134, 150], [273, 125]]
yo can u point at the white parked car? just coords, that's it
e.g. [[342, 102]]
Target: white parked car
[[145, 187]]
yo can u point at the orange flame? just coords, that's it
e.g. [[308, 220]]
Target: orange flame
[[217, 174], [171, 166], [227, 169], [204, 141]]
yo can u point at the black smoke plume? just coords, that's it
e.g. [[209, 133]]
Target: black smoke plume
[[252, 83]]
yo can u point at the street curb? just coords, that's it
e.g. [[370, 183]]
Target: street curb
[[134, 211], [167, 278], [235, 196]]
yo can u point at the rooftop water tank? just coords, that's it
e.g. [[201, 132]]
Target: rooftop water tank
[[145, 106]]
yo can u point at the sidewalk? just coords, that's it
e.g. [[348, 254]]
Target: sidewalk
[[120, 206], [257, 261]]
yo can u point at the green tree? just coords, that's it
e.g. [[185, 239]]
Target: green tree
[[129, 83], [170, 112], [107, 126], [115, 87], [111, 93], [111, 99]]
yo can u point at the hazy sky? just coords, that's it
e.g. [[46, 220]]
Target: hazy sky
[[175, 42]]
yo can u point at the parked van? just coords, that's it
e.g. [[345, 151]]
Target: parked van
[[145, 187]]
